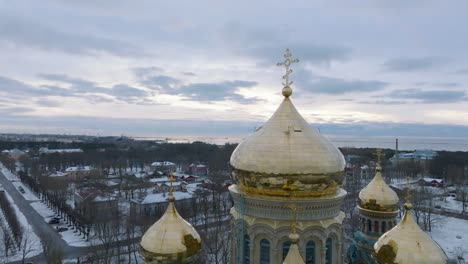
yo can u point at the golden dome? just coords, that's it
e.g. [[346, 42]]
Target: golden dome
[[171, 238], [286, 144], [377, 195], [407, 243], [287, 153]]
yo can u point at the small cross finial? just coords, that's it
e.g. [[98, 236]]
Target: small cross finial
[[294, 208], [171, 188], [287, 91], [378, 153], [408, 204]]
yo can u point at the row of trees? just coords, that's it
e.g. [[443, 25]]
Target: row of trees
[[12, 220]]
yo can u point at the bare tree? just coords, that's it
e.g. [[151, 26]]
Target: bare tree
[[8, 241], [53, 254], [26, 247]]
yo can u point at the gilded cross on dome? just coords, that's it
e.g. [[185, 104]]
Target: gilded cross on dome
[[171, 188], [294, 208], [287, 91], [379, 154]]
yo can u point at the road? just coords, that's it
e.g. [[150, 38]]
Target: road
[[40, 227]]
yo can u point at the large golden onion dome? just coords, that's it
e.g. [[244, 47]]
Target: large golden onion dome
[[287, 153], [406, 243], [171, 239], [377, 195]]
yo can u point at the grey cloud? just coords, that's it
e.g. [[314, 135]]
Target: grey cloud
[[159, 82], [267, 47], [412, 64], [14, 110], [30, 33], [206, 92], [189, 74], [14, 88], [48, 103], [145, 71], [335, 86], [384, 102], [461, 72], [430, 96], [214, 91]]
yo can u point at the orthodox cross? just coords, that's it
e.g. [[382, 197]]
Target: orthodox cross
[[294, 208], [378, 153], [171, 179], [408, 193], [287, 63]]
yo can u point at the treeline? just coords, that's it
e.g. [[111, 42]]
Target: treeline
[[133, 155], [11, 218]]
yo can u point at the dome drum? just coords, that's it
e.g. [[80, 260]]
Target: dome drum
[[181, 257], [303, 185], [279, 207], [372, 205]]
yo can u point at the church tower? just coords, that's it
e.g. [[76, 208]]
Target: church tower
[[378, 209], [286, 162]]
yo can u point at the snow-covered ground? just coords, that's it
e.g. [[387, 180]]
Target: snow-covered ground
[[34, 243], [10, 176], [452, 236], [28, 195], [72, 239], [449, 204]]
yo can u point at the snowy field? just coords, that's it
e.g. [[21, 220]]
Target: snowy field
[[28, 195], [34, 243], [70, 237], [452, 236]]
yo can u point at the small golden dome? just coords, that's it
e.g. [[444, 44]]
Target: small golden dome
[[377, 195], [171, 238], [406, 243]]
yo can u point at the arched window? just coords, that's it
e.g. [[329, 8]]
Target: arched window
[[310, 252], [246, 249], [328, 254], [369, 225], [384, 226], [376, 227], [264, 251], [286, 246], [363, 224], [390, 224]]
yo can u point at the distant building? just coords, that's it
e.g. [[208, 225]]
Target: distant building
[[154, 204], [162, 166], [78, 172], [50, 151], [198, 169], [427, 181], [14, 153], [418, 155], [93, 204], [180, 186]]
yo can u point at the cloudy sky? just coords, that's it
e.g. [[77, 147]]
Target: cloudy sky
[[152, 68]]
